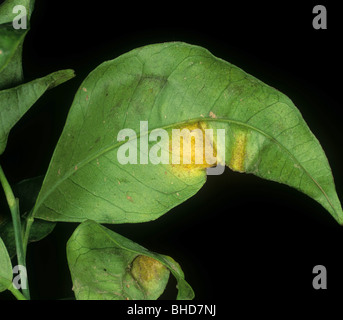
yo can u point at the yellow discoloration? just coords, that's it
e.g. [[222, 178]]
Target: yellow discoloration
[[238, 151], [148, 271], [192, 146]]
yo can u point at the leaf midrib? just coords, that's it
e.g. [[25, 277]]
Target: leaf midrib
[[177, 124]]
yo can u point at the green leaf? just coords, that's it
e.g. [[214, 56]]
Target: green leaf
[[15, 102], [106, 266], [174, 85], [26, 191], [5, 268], [11, 43]]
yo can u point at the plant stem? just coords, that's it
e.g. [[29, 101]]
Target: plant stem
[[14, 208], [29, 221], [16, 293]]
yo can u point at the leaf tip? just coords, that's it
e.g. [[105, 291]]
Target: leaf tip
[[60, 77]]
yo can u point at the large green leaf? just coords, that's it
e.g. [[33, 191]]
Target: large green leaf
[[174, 85], [106, 266], [15, 102], [5, 268], [11, 43]]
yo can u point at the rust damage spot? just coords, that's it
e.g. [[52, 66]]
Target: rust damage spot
[[148, 272], [238, 151], [194, 148]]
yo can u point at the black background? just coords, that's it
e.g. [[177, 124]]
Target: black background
[[240, 236]]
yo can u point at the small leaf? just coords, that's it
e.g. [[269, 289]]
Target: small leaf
[[5, 268], [106, 266], [174, 85], [15, 102], [26, 191]]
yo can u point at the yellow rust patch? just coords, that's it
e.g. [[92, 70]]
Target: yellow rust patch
[[190, 151], [148, 271], [238, 151]]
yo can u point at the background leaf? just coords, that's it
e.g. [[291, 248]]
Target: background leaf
[[174, 85], [15, 102], [105, 265], [5, 268], [6, 9], [27, 192], [10, 40], [11, 43]]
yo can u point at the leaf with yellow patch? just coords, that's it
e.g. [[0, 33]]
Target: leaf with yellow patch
[[174, 86], [106, 266]]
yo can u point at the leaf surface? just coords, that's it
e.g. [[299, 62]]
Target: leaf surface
[[174, 85], [5, 268], [106, 266]]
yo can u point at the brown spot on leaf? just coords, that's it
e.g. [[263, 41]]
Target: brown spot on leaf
[[212, 115]]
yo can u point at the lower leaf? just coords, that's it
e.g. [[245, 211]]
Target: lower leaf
[[106, 266]]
